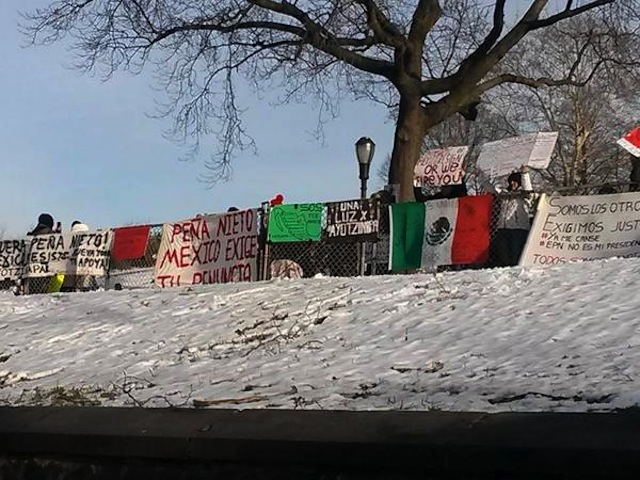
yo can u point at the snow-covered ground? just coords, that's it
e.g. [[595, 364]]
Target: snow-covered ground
[[563, 339]]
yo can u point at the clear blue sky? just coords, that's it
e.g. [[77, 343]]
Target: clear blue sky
[[79, 148]]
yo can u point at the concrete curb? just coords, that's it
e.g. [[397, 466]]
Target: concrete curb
[[455, 444]]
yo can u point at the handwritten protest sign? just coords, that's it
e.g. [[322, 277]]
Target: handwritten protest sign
[[504, 156], [89, 253], [352, 220], [12, 258], [211, 249], [47, 255], [442, 166], [85, 253], [295, 222], [584, 228]]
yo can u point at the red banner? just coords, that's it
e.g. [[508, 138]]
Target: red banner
[[130, 243]]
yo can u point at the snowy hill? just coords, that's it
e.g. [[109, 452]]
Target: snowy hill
[[562, 339]]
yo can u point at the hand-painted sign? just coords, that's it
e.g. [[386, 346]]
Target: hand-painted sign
[[509, 154], [439, 167], [352, 220], [210, 249], [85, 253], [295, 222], [47, 255], [584, 228], [12, 258], [89, 253]]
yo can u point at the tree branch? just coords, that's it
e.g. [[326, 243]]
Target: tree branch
[[480, 62], [381, 26], [425, 16], [192, 27], [533, 82], [568, 12], [496, 29], [320, 38]]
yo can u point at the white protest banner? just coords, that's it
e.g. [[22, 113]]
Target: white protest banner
[[504, 156], [584, 228], [47, 255], [12, 258], [211, 249], [89, 253], [442, 166]]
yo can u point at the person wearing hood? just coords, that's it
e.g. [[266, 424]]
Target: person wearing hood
[[44, 227], [514, 218], [73, 282], [39, 284], [78, 227]]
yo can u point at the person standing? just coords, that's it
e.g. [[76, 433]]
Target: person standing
[[44, 227], [634, 176], [39, 284], [74, 282], [514, 218]]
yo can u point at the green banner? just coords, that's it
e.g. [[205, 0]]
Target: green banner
[[295, 222]]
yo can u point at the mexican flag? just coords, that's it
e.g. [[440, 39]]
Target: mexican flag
[[631, 142], [440, 232]]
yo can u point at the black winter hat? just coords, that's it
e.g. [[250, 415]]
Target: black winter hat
[[515, 177], [46, 220]]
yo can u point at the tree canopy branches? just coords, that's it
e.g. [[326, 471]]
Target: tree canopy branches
[[427, 58]]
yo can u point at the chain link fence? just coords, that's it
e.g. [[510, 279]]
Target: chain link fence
[[124, 274], [341, 259], [330, 259], [137, 272]]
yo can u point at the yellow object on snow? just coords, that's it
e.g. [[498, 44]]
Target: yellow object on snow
[[56, 283]]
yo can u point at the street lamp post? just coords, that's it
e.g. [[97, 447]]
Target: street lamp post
[[364, 153], [365, 149]]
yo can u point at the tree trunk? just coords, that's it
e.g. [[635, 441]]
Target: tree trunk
[[410, 131]]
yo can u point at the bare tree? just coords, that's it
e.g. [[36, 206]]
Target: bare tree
[[589, 120], [589, 117], [429, 59]]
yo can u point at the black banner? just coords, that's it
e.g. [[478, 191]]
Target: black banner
[[352, 220]]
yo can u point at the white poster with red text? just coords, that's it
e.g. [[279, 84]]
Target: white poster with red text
[[209, 249]]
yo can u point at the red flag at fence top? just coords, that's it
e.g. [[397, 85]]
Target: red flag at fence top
[[631, 142], [130, 243]]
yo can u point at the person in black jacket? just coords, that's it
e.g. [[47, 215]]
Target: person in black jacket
[[39, 285], [45, 225], [634, 177]]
